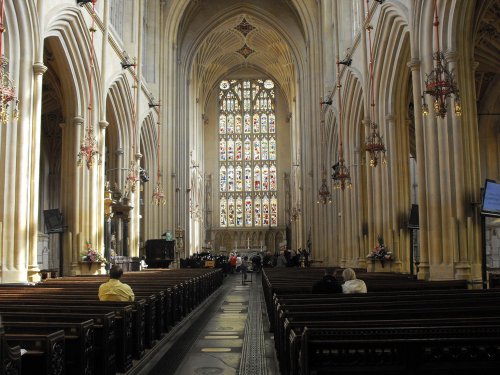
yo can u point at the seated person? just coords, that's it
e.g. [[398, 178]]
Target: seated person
[[351, 283], [143, 263], [328, 284], [114, 290]]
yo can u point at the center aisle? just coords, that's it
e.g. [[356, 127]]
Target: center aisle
[[230, 337]]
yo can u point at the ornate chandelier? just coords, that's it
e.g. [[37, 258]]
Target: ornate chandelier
[[440, 83], [7, 88], [375, 146], [89, 150], [324, 195], [295, 214], [132, 178], [341, 175], [374, 143], [158, 194], [133, 170]]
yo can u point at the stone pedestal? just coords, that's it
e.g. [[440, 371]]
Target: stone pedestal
[[91, 268]]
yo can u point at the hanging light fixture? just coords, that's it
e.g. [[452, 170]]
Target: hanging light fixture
[[440, 83], [341, 175], [89, 151], [133, 170], [7, 88], [158, 194], [374, 144], [324, 195]]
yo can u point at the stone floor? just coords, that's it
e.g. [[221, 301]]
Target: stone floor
[[229, 335]]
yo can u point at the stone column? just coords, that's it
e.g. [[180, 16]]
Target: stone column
[[74, 194], [423, 272], [33, 271]]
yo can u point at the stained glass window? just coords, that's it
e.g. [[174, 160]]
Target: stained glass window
[[265, 211], [248, 178], [264, 149], [231, 213], [256, 178], [239, 179], [265, 178], [223, 212], [230, 178], [272, 178], [222, 124], [223, 179], [247, 153], [272, 149], [248, 211], [222, 150], [274, 211], [248, 150], [272, 124], [238, 147], [257, 214], [230, 149], [239, 212]]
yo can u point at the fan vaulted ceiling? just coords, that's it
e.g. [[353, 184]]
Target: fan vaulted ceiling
[[240, 38]]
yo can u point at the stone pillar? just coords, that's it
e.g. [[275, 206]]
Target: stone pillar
[[74, 202], [423, 271], [460, 256], [33, 271]]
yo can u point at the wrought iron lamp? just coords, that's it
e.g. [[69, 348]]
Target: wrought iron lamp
[[295, 215], [341, 175], [132, 178], [324, 195], [374, 144], [133, 170], [440, 83], [7, 88], [158, 197], [89, 151]]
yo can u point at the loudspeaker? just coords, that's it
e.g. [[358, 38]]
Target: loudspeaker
[[53, 221]]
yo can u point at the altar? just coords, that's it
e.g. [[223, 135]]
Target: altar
[[91, 268]]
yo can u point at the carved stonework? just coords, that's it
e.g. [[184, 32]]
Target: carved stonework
[[244, 27], [245, 51]]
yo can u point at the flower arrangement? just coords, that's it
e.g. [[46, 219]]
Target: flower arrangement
[[92, 255], [379, 251]]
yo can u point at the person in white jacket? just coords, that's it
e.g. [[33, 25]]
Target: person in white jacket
[[351, 283]]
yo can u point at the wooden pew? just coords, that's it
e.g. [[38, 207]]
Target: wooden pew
[[179, 293], [78, 341], [10, 356], [44, 352], [104, 332], [401, 350]]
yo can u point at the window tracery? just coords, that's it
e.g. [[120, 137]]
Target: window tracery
[[247, 154]]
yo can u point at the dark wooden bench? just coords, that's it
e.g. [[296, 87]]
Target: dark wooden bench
[[289, 355], [401, 350], [44, 352], [78, 340], [10, 356], [104, 332], [163, 298]]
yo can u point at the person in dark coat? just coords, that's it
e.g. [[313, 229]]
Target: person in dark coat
[[328, 284]]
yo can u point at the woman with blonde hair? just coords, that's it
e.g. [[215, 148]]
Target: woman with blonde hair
[[351, 283]]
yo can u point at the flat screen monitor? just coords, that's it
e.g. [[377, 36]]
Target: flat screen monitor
[[491, 199]]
